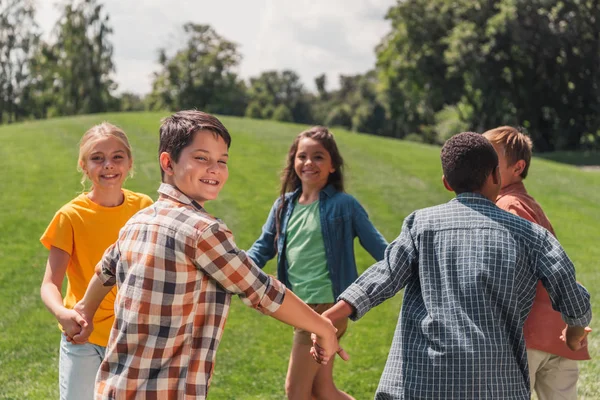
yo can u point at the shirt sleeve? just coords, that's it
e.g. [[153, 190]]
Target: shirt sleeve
[[557, 273], [387, 277], [107, 267], [59, 233], [264, 248], [370, 238], [218, 256]]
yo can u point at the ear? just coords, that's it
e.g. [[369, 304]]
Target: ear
[[446, 184], [495, 175], [332, 170], [82, 166], [166, 163], [519, 167]]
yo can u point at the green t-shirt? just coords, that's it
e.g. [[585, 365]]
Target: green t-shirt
[[305, 253]]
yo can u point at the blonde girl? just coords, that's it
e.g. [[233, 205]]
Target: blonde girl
[[76, 237]]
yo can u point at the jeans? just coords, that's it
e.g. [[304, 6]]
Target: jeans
[[77, 368]]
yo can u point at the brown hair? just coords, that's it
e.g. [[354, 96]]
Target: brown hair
[[517, 145], [177, 131], [92, 135], [290, 181]]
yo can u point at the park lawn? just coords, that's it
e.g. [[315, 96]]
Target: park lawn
[[389, 177]]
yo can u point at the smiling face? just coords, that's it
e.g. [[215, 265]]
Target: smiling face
[[312, 163], [107, 163], [201, 170]]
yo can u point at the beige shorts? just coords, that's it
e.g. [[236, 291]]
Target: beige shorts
[[303, 337]]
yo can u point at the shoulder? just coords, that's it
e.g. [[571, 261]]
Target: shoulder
[[137, 199], [509, 200], [75, 206]]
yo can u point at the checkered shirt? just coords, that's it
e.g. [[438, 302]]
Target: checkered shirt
[[176, 268], [470, 272]]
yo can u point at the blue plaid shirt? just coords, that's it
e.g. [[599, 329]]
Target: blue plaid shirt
[[470, 270]]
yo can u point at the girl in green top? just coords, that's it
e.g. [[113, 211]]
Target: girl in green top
[[311, 228]]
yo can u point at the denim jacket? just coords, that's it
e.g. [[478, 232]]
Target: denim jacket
[[342, 219]]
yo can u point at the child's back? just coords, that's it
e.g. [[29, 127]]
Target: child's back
[[465, 304]]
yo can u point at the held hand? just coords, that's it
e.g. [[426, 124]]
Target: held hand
[[319, 354], [72, 323], [86, 329], [575, 337]]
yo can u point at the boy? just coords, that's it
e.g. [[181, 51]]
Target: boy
[[470, 272], [553, 368], [176, 267]]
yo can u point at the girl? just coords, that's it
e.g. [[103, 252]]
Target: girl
[[77, 237], [311, 228]]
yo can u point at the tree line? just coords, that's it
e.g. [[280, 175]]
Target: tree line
[[445, 66]]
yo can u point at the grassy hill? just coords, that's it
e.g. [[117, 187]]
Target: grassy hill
[[390, 178]]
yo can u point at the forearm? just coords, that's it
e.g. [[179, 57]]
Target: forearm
[[295, 312], [52, 299], [339, 311], [95, 293]]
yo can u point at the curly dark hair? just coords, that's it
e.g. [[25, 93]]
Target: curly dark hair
[[467, 160]]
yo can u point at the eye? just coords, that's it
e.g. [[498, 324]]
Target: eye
[[200, 158], [96, 158], [223, 162], [301, 156]]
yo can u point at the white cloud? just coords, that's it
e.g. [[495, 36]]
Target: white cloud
[[310, 37]]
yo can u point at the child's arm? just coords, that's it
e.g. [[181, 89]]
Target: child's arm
[[218, 256], [295, 312], [87, 307], [387, 277], [265, 248], [370, 238], [557, 273], [101, 283], [50, 292]]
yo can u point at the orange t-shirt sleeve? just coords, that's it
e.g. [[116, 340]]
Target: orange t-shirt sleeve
[[59, 233]]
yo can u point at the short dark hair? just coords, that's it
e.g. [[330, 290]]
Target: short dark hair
[[177, 131], [467, 160]]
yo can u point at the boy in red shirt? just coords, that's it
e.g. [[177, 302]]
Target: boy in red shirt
[[553, 371]]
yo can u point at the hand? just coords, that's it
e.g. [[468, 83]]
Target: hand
[[71, 322], [86, 329], [320, 355], [575, 337]]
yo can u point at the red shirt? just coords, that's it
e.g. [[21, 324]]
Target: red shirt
[[543, 326]]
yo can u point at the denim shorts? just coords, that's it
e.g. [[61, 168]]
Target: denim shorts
[[77, 368]]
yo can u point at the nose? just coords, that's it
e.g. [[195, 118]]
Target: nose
[[213, 167], [108, 164]]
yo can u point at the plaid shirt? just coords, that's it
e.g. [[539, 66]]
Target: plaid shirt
[[470, 272], [176, 268]]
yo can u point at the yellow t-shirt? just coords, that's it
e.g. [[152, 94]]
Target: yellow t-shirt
[[85, 230]]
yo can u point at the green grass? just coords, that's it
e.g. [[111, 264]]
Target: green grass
[[390, 178]]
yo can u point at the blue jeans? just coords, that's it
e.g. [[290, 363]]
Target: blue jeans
[[77, 368]]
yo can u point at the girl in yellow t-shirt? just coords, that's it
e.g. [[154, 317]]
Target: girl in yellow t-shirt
[[77, 237]]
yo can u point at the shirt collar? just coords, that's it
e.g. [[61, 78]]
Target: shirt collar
[[328, 190], [517, 188], [170, 191], [470, 197]]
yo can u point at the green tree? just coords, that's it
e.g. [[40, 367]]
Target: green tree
[[200, 75], [272, 89], [19, 38], [79, 61]]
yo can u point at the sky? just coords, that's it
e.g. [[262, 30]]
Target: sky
[[310, 37]]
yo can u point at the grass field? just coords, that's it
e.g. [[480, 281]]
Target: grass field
[[390, 178]]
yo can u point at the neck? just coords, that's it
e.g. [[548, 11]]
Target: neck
[[107, 197], [309, 194]]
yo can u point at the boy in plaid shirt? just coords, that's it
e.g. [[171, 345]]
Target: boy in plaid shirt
[[176, 267]]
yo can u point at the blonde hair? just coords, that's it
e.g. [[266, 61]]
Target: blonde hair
[[517, 145], [95, 133]]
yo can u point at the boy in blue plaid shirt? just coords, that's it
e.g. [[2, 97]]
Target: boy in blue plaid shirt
[[470, 271]]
